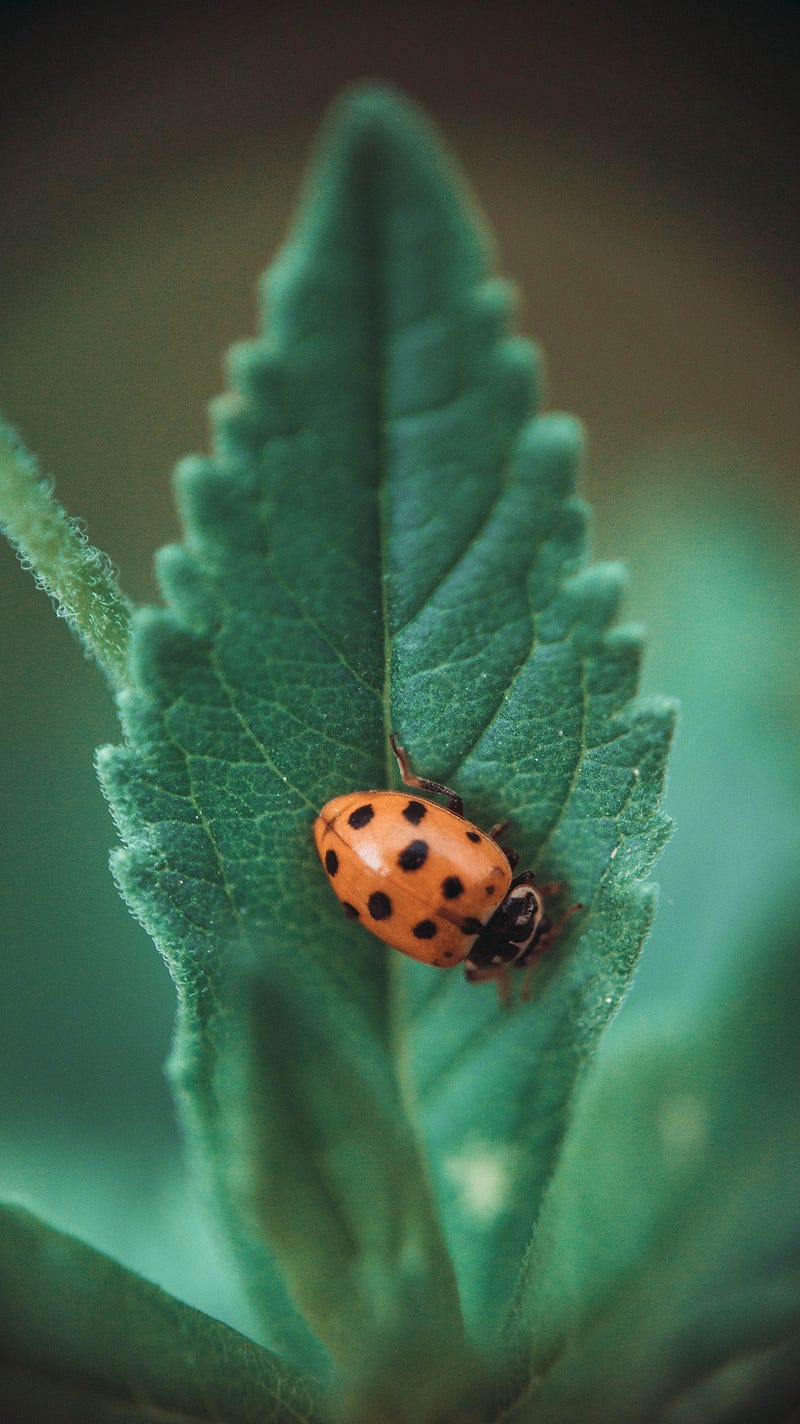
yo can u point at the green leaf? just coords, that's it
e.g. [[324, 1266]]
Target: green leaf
[[83, 1339], [384, 536], [664, 1278], [77, 576], [580, 773]]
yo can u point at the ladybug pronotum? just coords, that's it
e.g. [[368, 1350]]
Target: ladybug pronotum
[[431, 884]]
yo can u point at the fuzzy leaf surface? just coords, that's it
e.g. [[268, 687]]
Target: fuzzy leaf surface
[[385, 536], [82, 1339]]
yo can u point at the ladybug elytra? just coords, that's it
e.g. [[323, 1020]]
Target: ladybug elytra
[[431, 884]]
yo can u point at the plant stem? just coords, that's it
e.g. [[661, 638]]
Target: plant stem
[[78, 577]]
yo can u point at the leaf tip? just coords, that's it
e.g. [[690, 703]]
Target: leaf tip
[[372, 105]]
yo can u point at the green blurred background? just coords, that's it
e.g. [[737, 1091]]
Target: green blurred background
[[639, 172]]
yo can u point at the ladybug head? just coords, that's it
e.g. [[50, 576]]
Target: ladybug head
[[512, 933]]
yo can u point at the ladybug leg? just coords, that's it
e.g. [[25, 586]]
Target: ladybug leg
[[527, 877], [409, 778], [554, 887], [501, 976], [525, 987], [512, 856], [573, 910], [505, 998], [553, 931], [495, 833]]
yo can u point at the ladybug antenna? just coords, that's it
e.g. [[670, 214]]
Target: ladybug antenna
[[409, 778]]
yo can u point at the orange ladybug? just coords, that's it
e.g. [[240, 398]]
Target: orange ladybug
[[431, 884]]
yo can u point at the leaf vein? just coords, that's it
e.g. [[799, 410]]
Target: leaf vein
[[471, 543], [308, 618]]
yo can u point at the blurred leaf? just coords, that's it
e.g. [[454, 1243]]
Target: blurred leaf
[[717, 580], [383, 536], [82, 1339], [664, 1278]]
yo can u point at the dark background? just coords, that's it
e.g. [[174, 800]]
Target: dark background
[[639, 169]]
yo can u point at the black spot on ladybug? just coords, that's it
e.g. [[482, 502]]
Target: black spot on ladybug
[[473, 836], [447, 954], [471, 926], [379, 905], [425, 929], [331, 862], [351, 913], [489, 889], [415, 811], [452, 887], [360, 817], [414, 855]]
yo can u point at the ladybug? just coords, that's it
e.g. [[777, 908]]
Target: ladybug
[[431, 884]]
